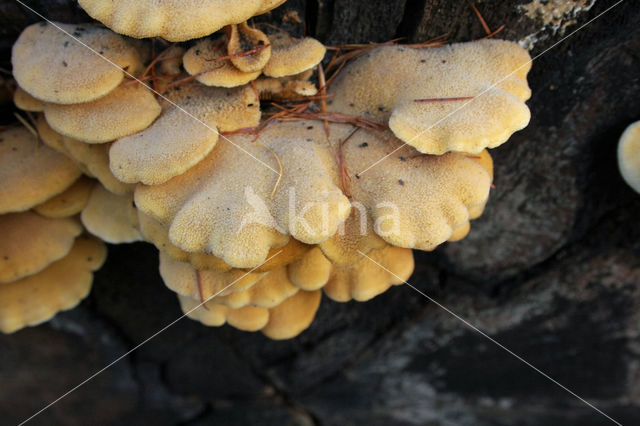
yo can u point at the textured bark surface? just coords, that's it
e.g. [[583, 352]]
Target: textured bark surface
[[551, 271]]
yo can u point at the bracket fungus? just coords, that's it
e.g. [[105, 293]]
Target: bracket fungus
[[629, 156], [243, 38], [128, 109], [60, 286], [467, 111], [208, 62], [290, 56], [53, 67], [111, 217], [222, 205], [31, 242], [174, 20], [254, 216], [68, 203], [185, 132], [30, 173]]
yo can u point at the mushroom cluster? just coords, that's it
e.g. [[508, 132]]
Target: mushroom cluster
[[256, 211]]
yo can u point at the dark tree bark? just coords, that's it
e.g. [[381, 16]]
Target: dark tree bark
[[551, 270]]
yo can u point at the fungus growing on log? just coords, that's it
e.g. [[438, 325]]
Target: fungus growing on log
[[253, 216], [30, 173], [184, 134], [68, 203], [126, 110], [35, 298], [31, 242], [111, 217], [478, 105]]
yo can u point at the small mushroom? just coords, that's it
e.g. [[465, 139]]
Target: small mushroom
[[53, 67], [242, 39], [128, 109], [203, 61], [68, 203], [629, 156], [60, 286], [111, 217], [31, 242], [291, 56], [30, 173]]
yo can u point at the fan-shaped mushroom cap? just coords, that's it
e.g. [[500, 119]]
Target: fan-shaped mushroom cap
[[291, 56], [629, 156], [54, 67], [413, 200], [62, 285], [311, 272], [26, 102], [292, 316], [178, 140], [113, 218], [224, 206], [269, 291], [127, 109], [185, 280], [68, 203], [203, 61], [368, 279], [174, 20], [243, 38], [30, 173], [95, 160], [247, 318], [31, 242], [405, 87]]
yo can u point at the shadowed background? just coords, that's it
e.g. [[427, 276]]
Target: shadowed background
[[551, 270]]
